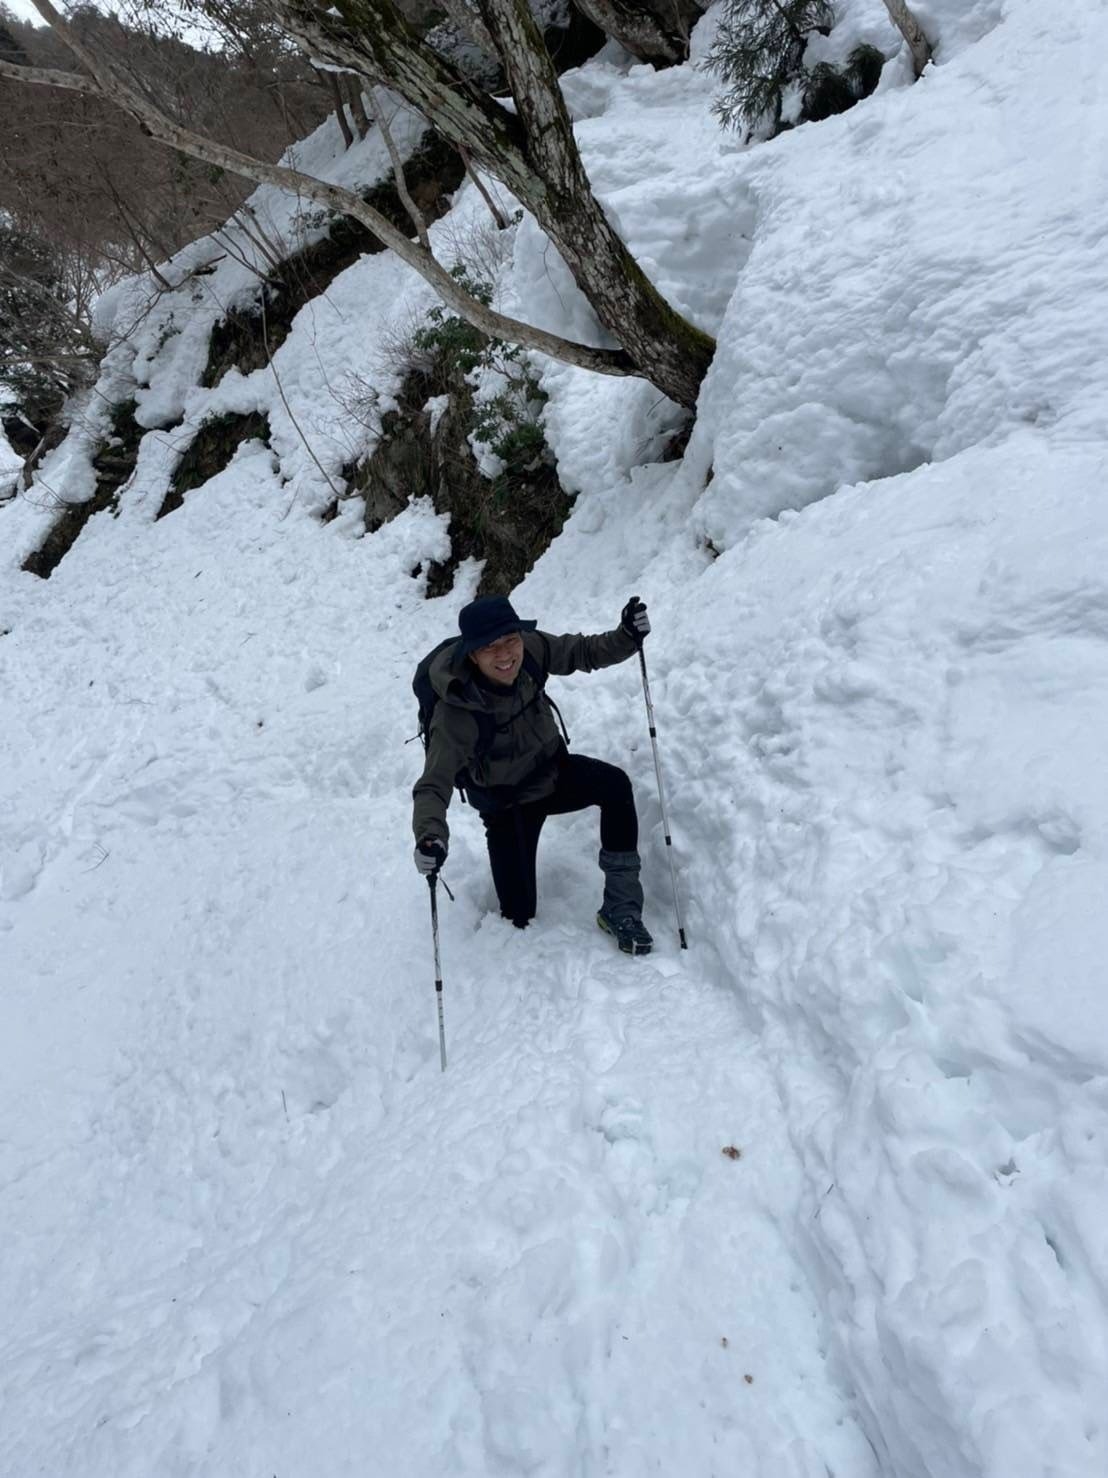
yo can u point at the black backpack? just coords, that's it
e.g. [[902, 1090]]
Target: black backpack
[[487, 727]]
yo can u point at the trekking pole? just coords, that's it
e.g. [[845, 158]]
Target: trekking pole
[[662, 797], [432, 879]]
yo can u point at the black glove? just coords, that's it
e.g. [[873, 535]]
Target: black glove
[[430, 854], [635, 621]]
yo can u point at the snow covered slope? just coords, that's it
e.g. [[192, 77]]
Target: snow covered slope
[[824, 1195]]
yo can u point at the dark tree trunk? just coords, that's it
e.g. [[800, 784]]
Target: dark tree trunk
[[672, 353], [652, 30], [340, 109], [357, 107]]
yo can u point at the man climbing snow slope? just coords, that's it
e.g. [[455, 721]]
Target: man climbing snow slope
[[491, 732]]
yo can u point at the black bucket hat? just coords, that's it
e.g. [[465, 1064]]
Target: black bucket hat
[[486, 620]]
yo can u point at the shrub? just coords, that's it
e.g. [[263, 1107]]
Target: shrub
[[449, 340], [508, 424], [506, 421], [829, 89], [759, 52]]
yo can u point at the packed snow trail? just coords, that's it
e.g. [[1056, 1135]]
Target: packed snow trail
[[540, 1262], [252, 1226]]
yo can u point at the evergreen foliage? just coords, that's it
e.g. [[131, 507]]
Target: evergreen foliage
[[864, 66], [45, 351], [826, 92], [759, 52], [508, 425], [10, 48], [507, 422]]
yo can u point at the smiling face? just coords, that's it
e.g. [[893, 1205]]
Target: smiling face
[[501, 660]]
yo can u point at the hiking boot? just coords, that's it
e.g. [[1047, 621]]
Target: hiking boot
[[629, 932]]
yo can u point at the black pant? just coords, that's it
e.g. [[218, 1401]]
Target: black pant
[[513, 834]]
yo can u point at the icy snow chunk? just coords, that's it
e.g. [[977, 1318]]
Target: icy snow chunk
[[20, 869], [601, 427], [435, 409], [544, 293]]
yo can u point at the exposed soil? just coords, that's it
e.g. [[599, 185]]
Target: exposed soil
[[113, 464], [507, 522], [210, 452]]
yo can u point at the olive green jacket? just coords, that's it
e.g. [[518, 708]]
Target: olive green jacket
[[521, 764]]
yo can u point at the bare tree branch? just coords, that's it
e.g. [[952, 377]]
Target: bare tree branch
[[532, 149], [50, 77], [288, 408], [418, 219], [51, 438], [107, 84], [47, 305], [483, 190], [131, 226]]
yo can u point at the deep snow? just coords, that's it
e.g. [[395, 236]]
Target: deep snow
[[250, 1227]]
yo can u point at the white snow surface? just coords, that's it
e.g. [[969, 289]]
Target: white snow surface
[[824, 1194]]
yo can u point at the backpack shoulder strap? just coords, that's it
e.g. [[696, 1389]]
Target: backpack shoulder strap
[[538, 675]]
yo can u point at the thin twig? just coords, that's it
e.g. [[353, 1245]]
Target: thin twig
[[486, 195], [232, 249], [289, 411], [419, 220]]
